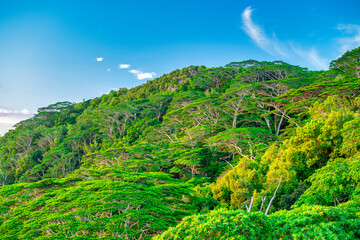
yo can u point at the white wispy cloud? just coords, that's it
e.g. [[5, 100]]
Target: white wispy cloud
[[254, 31], [258, 35], [142, 75], [124, 65], [312, 57], [108, 70], [273, 46], [352, 40], [99, 59]]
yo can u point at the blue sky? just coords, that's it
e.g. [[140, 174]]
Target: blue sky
[[56, 50]]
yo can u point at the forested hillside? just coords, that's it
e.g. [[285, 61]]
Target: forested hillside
[[251, 150]]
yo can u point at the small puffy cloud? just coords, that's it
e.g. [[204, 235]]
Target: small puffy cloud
[[99, 59], [121, 66], [352, 40], [142, 75], [25, 112], [108, 70]]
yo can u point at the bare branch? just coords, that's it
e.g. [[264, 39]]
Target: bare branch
[[268, 207], [262, 202], [248, 208]]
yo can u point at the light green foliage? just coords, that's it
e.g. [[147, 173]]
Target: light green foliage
[[316, 143], [336, 143], [237, 185]]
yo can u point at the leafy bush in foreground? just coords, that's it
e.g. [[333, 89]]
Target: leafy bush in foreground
[[307, 222]]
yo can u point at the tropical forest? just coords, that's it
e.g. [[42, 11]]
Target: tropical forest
[[248, 150]]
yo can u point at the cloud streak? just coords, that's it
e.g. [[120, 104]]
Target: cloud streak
[[272, 46], [352, 40], [257, 34], [254, 31], [142, 75], [312, 57]]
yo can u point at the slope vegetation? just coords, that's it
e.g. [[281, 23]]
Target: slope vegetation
[[248, 150]]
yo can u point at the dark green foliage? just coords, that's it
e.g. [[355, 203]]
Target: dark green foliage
[[288, 200]]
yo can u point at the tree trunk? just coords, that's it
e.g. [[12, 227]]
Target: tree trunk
[[268, 207], [248, 208]]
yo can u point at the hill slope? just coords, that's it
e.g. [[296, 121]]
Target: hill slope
[[132, 163]]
